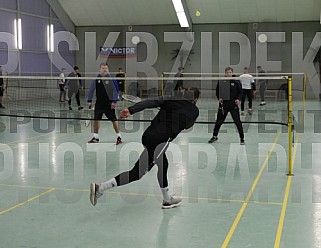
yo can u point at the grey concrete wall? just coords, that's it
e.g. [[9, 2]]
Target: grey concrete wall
[[207, 51]]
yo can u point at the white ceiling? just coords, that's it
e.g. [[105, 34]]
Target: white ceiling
[[154, 12]]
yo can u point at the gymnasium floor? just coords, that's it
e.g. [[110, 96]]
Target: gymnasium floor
[[233, 196]]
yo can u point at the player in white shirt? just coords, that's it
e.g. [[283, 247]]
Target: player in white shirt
[[62, 96], [248, 87]]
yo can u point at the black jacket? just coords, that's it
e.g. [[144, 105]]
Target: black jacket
[[229, 91], [175, 114]]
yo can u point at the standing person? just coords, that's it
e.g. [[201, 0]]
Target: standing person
[[229, 95], [73, 86], [178, 83], [176, 114], [262, 84], [121, 82], [248, 87], [106, 100], [62, 81], [1, 88]]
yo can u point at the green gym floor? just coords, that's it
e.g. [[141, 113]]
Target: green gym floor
[[233, 195]]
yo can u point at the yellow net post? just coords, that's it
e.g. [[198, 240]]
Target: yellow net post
[[290, 127]]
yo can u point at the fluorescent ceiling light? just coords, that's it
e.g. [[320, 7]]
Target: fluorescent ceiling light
[[180, 13], [15, 26], [50, 38], [17, 34], [178, 5], [182, 19]]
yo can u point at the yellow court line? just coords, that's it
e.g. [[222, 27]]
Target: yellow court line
[[27, 201], [244, 205], [285, 201], [139, 194]]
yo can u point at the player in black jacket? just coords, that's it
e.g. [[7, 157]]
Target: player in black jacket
[[229, 95], [176, 114]]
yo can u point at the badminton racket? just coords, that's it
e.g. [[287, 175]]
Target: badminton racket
[[87, 122], [131, 98], [221, 108]]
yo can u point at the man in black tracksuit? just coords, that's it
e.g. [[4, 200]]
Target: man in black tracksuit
[[229, 95], [176, 114]]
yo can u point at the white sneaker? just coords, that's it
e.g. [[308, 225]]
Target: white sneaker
[[172, 203], [94, 193], [262, 103]]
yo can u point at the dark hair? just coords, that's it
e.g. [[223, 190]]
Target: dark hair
[[76, 68], [259, 67], [102, 64], [228, 69], [192, 93], [180, 68]]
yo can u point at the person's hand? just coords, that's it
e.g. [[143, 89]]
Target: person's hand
[[113, 105], [220, 100], [89, 105], [237, 101], [124, 113]]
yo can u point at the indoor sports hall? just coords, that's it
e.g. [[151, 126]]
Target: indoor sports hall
[[224, 190]]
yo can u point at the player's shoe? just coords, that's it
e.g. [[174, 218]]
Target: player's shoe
[[262, 103], [242, 112], [93, 140], [70, 108], [119, 141], [250, 111], [213, 139], [94, 193], [80, 108], [242, 142], [172, 203]]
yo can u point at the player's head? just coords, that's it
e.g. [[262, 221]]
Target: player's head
[[120, 69], [76, 68], [192, 94], [246, 70], [181, 69], [103, 69], [259, 68], [228, 72]]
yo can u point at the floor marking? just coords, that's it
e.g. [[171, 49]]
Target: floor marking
[[244, 205], [27, 201], [285, 200]]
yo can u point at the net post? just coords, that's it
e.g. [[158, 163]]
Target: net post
[[290, 128]]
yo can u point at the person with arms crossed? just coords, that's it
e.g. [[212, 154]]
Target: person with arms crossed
[[106, 99], [73, 86], [262, 84], [248, 88], [178, 83], [229, 95], [62, 81], [176, 114], [2, 88]]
